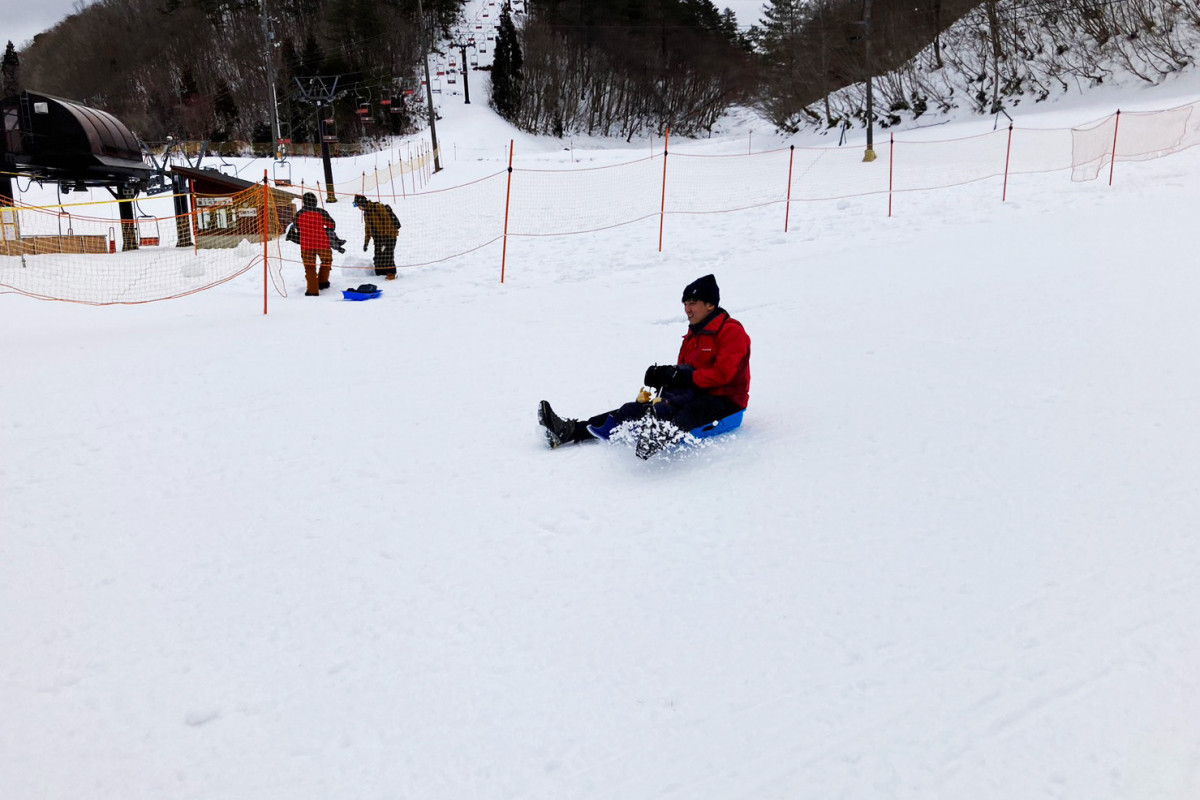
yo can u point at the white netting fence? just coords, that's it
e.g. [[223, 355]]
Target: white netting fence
[[1136, 136], [88, 253], [709, 184], [93, 253], [559, 202]]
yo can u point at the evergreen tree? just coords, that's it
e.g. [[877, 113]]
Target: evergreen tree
[[507, 75], [11, 83], [729, 27], [783, 21], [795, 54]]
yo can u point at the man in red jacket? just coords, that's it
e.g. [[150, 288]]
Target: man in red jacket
[[709, 381]]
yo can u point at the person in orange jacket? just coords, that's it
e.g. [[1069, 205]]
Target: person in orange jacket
[[316, 227], [710, 379]]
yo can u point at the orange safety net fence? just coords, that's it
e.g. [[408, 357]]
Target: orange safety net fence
[[86, 252]]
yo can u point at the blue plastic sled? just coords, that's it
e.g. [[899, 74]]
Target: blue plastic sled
[[716, 428], [723, 425], [350, 294]]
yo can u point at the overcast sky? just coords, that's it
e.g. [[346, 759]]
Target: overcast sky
[[23, 19]]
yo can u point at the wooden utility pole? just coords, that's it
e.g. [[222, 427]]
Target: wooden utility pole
[[994, 23], [437, 159], [269, 66], [870, 154]]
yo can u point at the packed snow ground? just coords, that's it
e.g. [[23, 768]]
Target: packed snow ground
[[324, 553]]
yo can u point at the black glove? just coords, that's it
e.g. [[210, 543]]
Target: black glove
[[658, 376], [681, 378]]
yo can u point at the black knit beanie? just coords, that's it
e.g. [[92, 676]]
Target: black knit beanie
[[703, 289]]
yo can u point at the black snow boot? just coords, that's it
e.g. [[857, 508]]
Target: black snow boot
[[558, 431], [655, 435]]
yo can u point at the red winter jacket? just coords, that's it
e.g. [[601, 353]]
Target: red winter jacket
[[314, 225], [720, 354]]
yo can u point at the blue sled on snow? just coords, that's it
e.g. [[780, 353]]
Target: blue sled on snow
[[715, 428], [723, 425]]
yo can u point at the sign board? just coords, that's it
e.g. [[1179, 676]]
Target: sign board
[[8, 225]]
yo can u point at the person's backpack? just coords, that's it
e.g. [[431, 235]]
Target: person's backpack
[[392, 217]]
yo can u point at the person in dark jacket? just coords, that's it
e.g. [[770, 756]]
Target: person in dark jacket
[[380, 224], [709, 381], [316, 227]]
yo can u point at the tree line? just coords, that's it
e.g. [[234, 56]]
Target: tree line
[[199, 69], [936, 55], [624, 68]]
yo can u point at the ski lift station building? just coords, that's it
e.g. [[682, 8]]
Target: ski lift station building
[[226, 209]]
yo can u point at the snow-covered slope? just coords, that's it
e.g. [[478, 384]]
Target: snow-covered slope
[[324, 553]]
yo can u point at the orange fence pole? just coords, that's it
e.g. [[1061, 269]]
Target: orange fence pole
[[266, 221], [1112, 164], [507, 201], [663, 210], [195, 215], [788, 206]]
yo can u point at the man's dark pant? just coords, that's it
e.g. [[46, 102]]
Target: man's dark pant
[[385, 255], [688, 411]]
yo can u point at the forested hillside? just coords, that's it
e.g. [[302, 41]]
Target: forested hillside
[[928, 55], [197, 69], [203, 69]]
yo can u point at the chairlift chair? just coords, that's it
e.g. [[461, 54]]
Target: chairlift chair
[[281, 171], [148, 232], [225, 167]]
